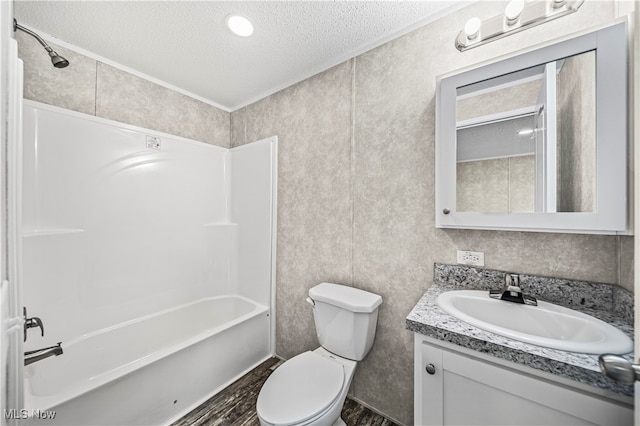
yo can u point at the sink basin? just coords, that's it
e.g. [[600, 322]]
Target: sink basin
[[547, 325]]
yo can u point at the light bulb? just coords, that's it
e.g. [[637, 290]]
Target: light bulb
[[513, 10], [472, 28]]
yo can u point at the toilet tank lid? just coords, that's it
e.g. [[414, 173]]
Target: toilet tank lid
[[342, 296]]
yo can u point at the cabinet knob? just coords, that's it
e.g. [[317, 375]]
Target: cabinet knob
[[431, 369], [446, 211]]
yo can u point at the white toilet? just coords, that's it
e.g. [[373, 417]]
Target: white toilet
[[310, 388]]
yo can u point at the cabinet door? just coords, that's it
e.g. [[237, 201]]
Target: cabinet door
[[464, 390], [429, 384]]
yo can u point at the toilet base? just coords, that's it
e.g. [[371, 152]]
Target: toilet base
[[339, 422]]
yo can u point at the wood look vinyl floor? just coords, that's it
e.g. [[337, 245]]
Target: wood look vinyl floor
[[236, 404]]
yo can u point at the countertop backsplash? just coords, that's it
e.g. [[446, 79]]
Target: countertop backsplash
[[584, 295]]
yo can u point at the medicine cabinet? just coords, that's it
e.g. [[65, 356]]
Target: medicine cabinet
[[537, 141]]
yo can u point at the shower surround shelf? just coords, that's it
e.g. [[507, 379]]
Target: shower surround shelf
[[47, 232], [219, 224]]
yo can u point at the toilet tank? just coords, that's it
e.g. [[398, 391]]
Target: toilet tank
[[345, 319]]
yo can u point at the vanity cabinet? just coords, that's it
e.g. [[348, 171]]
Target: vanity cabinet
[[458, 386]]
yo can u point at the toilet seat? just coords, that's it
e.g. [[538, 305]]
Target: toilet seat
[[301, 389]]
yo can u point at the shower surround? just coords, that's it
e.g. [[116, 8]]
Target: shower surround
[[150, 257]]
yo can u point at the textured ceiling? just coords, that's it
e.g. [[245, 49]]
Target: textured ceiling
[[187, 45]]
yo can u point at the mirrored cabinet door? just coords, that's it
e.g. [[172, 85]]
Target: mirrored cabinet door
[[537, 141]]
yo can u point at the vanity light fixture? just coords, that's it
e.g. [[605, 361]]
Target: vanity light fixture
[[239, 25], [518, 15]]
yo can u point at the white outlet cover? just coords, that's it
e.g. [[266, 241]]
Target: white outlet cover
[[473, 258]]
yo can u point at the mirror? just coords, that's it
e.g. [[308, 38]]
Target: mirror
[[537, 141], [526, 140]]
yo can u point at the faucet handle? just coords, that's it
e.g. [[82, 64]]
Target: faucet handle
[[511, 280], [33, 322], [512, 292]]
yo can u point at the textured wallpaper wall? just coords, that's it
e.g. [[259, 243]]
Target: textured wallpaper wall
[[94, 88], [356, 193]]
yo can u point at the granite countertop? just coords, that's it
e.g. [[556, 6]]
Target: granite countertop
[[609, 303]]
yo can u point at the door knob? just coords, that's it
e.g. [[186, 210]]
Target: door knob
[[619, 369]]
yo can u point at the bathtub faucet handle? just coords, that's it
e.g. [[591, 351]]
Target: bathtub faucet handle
[[32, 322]]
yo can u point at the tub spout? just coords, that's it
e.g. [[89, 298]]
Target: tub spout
[[32, 356]]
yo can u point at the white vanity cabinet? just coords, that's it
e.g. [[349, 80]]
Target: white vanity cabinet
[[458, 386]]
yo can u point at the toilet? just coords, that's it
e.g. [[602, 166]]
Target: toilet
[[310, 388]]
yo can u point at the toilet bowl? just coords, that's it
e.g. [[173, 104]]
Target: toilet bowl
[[310, 388]]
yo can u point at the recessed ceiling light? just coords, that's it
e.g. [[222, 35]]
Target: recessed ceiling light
[[239, 25]]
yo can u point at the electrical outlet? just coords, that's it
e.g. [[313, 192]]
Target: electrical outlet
[[475, 258]]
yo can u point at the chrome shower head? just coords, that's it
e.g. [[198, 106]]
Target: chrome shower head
[[57, 60]]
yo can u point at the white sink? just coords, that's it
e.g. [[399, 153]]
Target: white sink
[[546, 325]]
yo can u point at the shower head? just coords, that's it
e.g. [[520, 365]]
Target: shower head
[[57, 60]]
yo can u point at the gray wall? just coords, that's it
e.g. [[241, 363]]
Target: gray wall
[[499, 185], [356, 193], [577, 134], [356, 180], [95, 88]]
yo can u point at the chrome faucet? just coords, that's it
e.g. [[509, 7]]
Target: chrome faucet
[[33, 356], [33, 322], [511, 292]]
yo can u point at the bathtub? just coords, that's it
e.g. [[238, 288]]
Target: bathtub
[[153, 369]]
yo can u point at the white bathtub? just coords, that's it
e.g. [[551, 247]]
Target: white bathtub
[[153, 369]]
